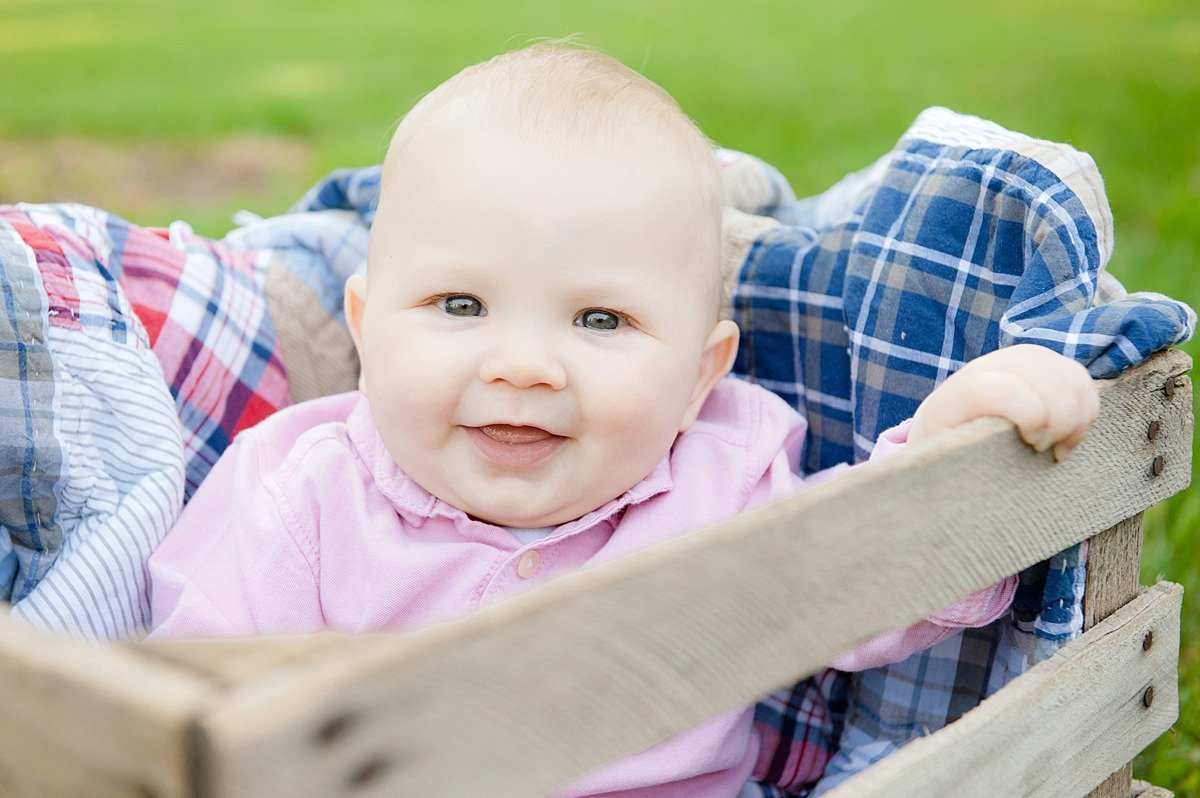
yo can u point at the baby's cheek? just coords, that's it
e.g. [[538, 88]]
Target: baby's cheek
[[398, 359], [646, 415]]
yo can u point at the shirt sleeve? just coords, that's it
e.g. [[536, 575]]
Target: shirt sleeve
[[231, 567]]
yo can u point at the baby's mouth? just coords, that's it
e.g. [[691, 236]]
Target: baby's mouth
[[512, 446], [514, 436]]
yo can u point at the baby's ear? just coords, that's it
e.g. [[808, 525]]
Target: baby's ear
[[719, 352], [355, 303]]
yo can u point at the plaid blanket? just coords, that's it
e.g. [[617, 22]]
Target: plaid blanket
[[853, 306], [131, 358]]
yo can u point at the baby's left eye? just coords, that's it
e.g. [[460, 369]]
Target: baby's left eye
[[598, 320]]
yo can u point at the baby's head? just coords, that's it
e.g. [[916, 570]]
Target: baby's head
[[540, 316]]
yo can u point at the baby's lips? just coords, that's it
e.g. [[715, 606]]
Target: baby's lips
[[515, 435]]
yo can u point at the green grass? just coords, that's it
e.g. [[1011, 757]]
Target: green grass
[[817, 88]]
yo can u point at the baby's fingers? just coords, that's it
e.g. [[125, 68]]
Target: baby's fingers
[[1088, 410], [1060, 417], [1070, 399], [1007, 395]]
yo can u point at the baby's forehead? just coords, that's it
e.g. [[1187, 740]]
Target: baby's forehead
[[647, 175], [437, 138]]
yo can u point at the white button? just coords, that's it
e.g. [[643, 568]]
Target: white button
[[527, 565]]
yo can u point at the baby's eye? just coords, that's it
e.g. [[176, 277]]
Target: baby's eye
[[598, 320], [461, 305]]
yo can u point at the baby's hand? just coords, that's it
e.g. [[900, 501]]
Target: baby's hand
[[1049, 398]]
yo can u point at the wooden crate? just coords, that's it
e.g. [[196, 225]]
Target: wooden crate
[[531, 692]]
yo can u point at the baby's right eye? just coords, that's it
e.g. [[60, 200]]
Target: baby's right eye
[[461, 305]]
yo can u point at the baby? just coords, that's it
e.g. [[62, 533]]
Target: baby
[[543, 389]]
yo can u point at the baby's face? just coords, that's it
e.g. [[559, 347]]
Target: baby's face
[[536, 327]]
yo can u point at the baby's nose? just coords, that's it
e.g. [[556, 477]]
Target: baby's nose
[[523, 362]]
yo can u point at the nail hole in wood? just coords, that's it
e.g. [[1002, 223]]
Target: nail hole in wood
[[1169, 387], [1148, 696], [1157, 466], [1148, 641], [368, 772], [333, 729], [1152, 433]]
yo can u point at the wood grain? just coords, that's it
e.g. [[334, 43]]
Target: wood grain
[[92, 721], [233, 662], [1114, 560], [1114, 557]]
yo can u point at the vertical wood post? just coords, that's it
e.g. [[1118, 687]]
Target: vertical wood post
[[1114, 560], [1114, 556]]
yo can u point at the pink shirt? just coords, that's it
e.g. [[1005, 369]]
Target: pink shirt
[[306, 523]]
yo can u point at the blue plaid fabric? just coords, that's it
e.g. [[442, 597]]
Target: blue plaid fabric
[[853, 307], [344, 189]]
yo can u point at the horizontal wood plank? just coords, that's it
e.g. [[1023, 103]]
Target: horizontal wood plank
[[92, 721], [602, 663], [1058, 730], [227, 663]]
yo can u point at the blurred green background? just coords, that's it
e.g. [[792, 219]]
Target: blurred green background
[[158, 110]]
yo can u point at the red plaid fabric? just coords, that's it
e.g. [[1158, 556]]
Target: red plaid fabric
[[203, 307]]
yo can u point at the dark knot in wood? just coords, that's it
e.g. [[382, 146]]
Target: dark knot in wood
[[333, 729], [368, 773]]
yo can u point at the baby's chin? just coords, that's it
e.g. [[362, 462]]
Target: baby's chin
[[517, 512]]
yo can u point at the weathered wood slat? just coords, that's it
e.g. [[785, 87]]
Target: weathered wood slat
[[1114, 557], [1118, 785], [1058, 729], [90, 721], [227, 663], [599, 664], [1114, 560], [1114, 570]]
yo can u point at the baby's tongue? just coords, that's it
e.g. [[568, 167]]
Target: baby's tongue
[[505, 433]]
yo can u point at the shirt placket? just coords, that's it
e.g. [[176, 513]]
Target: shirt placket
[[532, 564]]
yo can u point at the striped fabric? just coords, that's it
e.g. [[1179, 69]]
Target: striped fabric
[[87, 410], [133, 357], [204, 313]]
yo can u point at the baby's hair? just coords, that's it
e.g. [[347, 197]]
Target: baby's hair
[[567, 96]]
